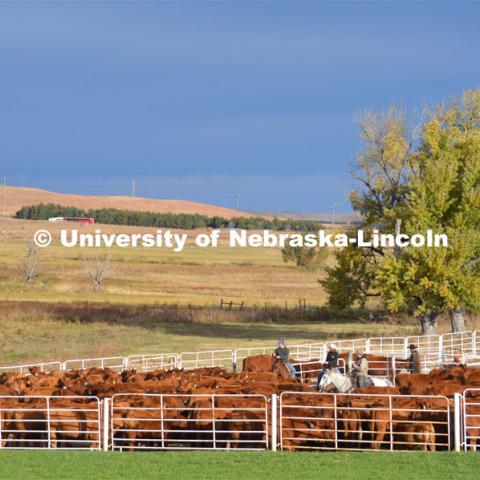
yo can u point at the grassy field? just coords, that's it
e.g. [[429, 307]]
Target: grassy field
[[139, 275], [24, 340], [143, 279], [235, 465]]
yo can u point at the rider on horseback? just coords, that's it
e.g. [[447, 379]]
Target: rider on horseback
[[331, 362], [282, 353]]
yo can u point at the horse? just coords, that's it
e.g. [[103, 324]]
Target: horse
[[344, 383]]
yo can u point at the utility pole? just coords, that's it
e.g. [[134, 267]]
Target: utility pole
[[133, 188], [334, 206], [4, 197], [237, 201]]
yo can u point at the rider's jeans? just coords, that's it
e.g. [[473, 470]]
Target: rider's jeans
[[293, 372]]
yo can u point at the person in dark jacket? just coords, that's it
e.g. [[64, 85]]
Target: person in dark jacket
[[331, 362], [282, 353], [414, 364]]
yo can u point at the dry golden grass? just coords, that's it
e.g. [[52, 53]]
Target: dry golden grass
[[139, 275], [59, 316]]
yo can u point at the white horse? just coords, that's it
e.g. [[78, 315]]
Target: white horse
[[344, 383]]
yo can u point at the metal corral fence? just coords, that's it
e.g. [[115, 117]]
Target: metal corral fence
[[114, 363], [144, 363], [301, 352], [294, 421], [320, 421], [471, 419], [210, 358], [50, 422], [307, 372], [189, 422], [435, 350], [44, 367]]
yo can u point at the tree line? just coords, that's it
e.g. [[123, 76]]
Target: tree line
[[187, 221]]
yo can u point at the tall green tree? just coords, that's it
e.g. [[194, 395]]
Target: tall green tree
[[381, 172], [444, 197], [439, 189]]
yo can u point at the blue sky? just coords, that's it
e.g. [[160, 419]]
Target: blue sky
[[203, 100]]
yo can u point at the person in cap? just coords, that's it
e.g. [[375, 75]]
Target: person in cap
[[360, 369], [414, 364], [331, 362], [282, 353], [458, 359]]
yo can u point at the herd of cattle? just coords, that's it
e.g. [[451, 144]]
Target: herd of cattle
[[213, 407]]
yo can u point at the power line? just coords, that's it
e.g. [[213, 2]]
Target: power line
[[133, 188], [237, 201]]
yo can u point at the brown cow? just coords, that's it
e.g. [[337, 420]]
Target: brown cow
[[266, 363], [414, 436]]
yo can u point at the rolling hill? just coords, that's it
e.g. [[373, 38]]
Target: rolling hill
[[17, 197]]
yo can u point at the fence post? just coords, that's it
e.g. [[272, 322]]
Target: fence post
[[179, 361], [394, 370], [214, 429], [457, 442], [474, 343], [390, 422], [367, 345], [106, 423], [49, 433], [126, 363], [274, 422], [440, 348], [234, 360], [349, 362]]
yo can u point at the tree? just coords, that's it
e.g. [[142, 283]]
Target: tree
[[443, 197], [383, 165], [350, 282], [415, 186], [97, 267], [29, 265], [302, 256], [381, 171]]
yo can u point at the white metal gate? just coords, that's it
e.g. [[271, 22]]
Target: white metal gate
[[471, 419], [189, 422], [211, 358], [144, 363], [114, 363], [322, 421], [50, 422], [25, 369]]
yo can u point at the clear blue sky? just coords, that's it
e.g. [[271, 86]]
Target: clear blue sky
[[203, 100]]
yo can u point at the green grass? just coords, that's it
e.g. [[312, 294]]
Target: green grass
[[237, 465], [24, 339]]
